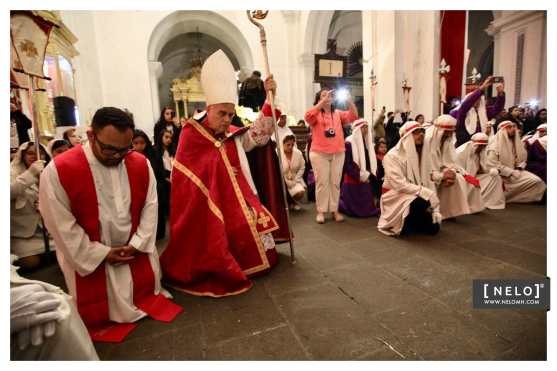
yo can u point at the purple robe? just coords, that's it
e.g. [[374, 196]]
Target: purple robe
[[356, 198], [537, 160], [459, 113]]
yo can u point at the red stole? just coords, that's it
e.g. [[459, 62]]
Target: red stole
[[91, 293], [215, 220]]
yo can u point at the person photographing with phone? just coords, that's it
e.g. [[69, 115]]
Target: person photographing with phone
[[473, 114], [327, 148]]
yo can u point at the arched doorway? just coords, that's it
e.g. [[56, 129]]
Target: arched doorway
[[343, 26], [178, 55], [185, 26]]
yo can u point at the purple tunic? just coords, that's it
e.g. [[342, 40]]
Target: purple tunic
[[460, 112], [356, 198], [537, 160]]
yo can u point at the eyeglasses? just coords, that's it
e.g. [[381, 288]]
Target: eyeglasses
[[111, 151]]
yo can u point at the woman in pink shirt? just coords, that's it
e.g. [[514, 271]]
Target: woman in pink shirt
[[327, 150]]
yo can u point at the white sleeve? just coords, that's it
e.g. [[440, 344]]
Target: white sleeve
[[302, 169], [259, 133], [21, 183], [493, 161], [395, 177], [82, 254], [144, 237]]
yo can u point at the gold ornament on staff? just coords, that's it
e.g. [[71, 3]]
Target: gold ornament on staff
[[443, 70], [406, 94], [373, 79], [260, 15]]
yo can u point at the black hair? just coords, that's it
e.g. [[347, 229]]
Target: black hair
[[158, 143], [288, 137], [112, 116], [149, 151], [59, 143], [418, 116], [318, 98], [161, 117], [257, 73], [378, 142], [540, 111]]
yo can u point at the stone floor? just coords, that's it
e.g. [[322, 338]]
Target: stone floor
[[354, 294]]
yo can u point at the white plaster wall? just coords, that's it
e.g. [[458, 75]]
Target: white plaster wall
[[505, 29], [88, 82], [117, 65], [118, 41]]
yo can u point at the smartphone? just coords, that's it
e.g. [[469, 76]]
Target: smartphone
[[498, 79]]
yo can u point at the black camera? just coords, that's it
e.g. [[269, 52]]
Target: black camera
[[329, 133]]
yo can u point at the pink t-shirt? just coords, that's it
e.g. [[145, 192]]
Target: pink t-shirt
[[320, 121]]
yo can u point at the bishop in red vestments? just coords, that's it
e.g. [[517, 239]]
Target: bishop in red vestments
[[220, 233]]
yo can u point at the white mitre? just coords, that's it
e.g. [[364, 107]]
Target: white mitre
[[218, 79]]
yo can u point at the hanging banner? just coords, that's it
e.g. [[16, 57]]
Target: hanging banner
[[29, 36]]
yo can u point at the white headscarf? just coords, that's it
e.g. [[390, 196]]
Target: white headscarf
[[439, 156], [530, 139], [466, 153], [356, 140], [405, 149], [17, 167], [472, 116], [502, 145]]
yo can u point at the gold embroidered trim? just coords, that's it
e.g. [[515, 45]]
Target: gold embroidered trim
[[208, 293], [251, 222], [247, 214], [184, 170]]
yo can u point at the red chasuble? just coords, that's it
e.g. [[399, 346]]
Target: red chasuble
[[91, 294], [215, 220]]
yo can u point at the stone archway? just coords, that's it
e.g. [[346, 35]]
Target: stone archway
[[183, 22], [315, 42]]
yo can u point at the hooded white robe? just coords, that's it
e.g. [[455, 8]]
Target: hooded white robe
[[508, 154], [70, 341], [403, 180], [457, 199], [491, 183]]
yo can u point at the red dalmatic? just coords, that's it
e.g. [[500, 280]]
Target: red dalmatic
[[215, 220]]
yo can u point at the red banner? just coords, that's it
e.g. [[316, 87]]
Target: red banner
[[453, 32]]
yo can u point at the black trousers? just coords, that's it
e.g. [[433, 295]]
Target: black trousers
[[419, 220]]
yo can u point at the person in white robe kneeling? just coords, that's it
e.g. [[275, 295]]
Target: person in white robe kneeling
[[293, 167], [472, 157], [44, 323], [99, 201], [445, 175], [507, 154], [407, 205]]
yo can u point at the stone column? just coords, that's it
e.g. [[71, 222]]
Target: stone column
[[155, 72]]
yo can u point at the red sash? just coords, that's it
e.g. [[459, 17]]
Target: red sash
[[349, 180], [91, 293]]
